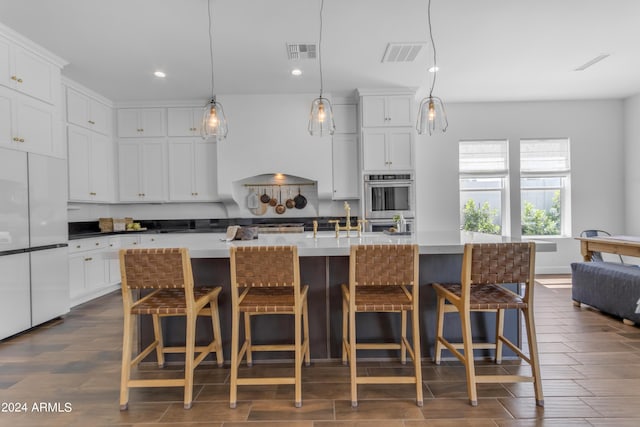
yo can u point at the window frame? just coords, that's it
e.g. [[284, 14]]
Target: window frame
[[501, 173], [565, 188]]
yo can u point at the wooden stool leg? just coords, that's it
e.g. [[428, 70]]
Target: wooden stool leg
[[125, 375], [345, 332], [439, 330], [298, 356], [157, 331], [403, 333], [468, 357], [247, 337], [305, 319], [189, 360], [415, 329], [533, 355], [217, 334], [235, 337], [499, 333], [352, 358]]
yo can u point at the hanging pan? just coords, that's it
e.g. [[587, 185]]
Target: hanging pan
[[300, 200], [280, 209]]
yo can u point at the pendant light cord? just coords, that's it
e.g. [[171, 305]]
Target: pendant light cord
[[210, 48], [320, 48], [433, 45]]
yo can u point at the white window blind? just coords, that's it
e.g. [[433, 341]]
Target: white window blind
[[483, 157], [548, 155]]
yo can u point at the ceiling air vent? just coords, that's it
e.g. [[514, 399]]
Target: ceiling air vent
[[402, 52], [297, 51]]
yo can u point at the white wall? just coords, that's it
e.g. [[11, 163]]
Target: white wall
[[632, 157], [595, 129]]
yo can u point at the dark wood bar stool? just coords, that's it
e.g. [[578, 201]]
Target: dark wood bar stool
[[266, 280], [167, 274], [382, 279], [485, 267]]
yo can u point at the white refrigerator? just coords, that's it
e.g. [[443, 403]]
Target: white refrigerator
[[34, 275]]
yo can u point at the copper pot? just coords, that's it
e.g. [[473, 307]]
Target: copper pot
[[280, 209], [290, 203], [273, 201], [265, 197]]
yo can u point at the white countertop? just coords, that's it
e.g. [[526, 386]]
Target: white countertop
[[211, 245]]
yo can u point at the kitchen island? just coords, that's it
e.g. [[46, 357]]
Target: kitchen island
[[324, 266]]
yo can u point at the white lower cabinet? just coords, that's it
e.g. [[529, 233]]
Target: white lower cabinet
[[89, 269]]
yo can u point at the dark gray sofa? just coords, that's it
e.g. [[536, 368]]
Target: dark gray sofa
[[612, 288]]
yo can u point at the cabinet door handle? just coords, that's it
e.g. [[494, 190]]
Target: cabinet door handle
[[88, 259], [91, 122], [21, 139], [92, 194], [135, 243], [14, 78], [19, 80], [16, 139], [97, 243], [77, 246]]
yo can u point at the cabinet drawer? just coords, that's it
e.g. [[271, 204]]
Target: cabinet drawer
[[81, 245]]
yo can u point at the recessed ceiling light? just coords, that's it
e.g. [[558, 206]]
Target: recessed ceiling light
[[433, 69], [160, 74], [296, 72]]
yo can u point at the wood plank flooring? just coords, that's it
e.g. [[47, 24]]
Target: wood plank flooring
[[67, 373]]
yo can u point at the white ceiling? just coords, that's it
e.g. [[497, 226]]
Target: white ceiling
[[488, 50]]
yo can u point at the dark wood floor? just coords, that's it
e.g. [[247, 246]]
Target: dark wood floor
[[67, 373]]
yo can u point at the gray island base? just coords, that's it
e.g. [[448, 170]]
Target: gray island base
[[324, 266]]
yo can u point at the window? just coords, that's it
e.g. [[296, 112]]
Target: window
[[484, 175], [545, 173]]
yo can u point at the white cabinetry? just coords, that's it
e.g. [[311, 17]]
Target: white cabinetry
[[184, 121], [89, 269], [87, 112], [192, 170], [346, 174], [28, 72], [141, 170], [146, 122], [389, 110], [387, 149], [90, 166], [27, 124]]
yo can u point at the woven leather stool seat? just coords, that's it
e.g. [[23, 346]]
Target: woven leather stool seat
[[382, 279], [268, 300], [169, 301], [380, 298], [486, 267], [487, 297]]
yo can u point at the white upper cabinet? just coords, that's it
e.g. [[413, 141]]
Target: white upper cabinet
[[387, 110], [184, 121], [346, 174], [87, 112], [192, 170], [27, 72], [27, 124], [141, 122], [90, 166], [141, 167], [387, 149], [344, 116]]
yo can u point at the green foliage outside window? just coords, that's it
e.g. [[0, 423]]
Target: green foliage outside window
[[540, 222], [480, 218]]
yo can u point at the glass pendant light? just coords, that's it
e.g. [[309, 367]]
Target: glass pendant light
[[214, 122], [321, 116], [432, 116]]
